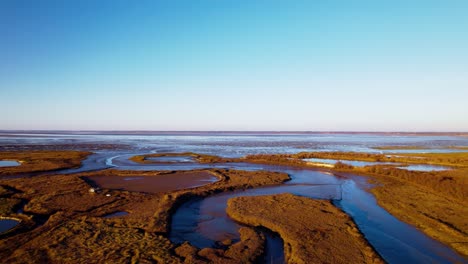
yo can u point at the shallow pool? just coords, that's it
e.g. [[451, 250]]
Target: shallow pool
[[354, 163], [171, 159], [116, 214], [154, 183], [8, 224], [424, 167], [9, 163]]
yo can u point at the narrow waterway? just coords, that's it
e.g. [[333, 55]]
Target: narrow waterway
[[204, 222]]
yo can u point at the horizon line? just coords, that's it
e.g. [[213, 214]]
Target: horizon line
[[52, 131]]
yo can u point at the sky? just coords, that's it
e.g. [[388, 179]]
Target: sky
[[389, 65]]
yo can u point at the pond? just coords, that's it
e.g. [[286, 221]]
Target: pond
[[7, 224], [9, 163], [155, 183], [354, 163], [171, 159], [116, 214], [424, 167]]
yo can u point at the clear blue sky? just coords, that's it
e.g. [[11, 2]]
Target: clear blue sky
[[234, 65]]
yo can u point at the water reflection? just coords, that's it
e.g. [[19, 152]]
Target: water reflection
[[9, 163], [7, 224]]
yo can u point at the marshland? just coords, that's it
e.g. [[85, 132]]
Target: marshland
[[199, 199]]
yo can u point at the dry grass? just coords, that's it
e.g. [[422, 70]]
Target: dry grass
[[313, 231], [434, 202], [39, 161], [201, 158], [443, 159], [74, 230], [441, 217], [248, 250]]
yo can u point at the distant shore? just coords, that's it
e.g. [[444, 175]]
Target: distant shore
[[189, 132]]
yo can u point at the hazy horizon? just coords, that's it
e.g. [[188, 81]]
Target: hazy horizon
[[360, 66], [123, 131]]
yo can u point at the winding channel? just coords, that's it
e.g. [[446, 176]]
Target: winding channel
[[203, 222]]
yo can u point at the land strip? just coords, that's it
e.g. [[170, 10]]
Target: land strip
[[41, 161], [314, 231]]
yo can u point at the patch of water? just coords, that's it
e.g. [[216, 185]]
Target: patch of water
[[154, 183], [394, 240], [9, 163], [7, 224], [424, 167], [182, 159], [202, 222], [354, 163], [116, 214]]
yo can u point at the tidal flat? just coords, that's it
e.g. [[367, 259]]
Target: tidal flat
[[133, 202]]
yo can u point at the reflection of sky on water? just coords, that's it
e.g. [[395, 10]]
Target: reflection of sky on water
[[235, 145], [423, 167], [9, 163], [350, 162], [415, 167]]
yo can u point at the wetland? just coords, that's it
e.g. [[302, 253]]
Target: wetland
[[198, 198]]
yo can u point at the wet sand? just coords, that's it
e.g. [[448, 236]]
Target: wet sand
[[155, 183]]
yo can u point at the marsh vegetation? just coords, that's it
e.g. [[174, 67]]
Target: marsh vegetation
[[61, 220]]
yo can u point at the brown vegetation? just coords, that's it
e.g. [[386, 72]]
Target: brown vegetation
[[201, 158], [434, 202], [41, 161], [248, 250], [435, 213], [342, 166], [62, 221], [314, 231], [276, 159], [459, 159]]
